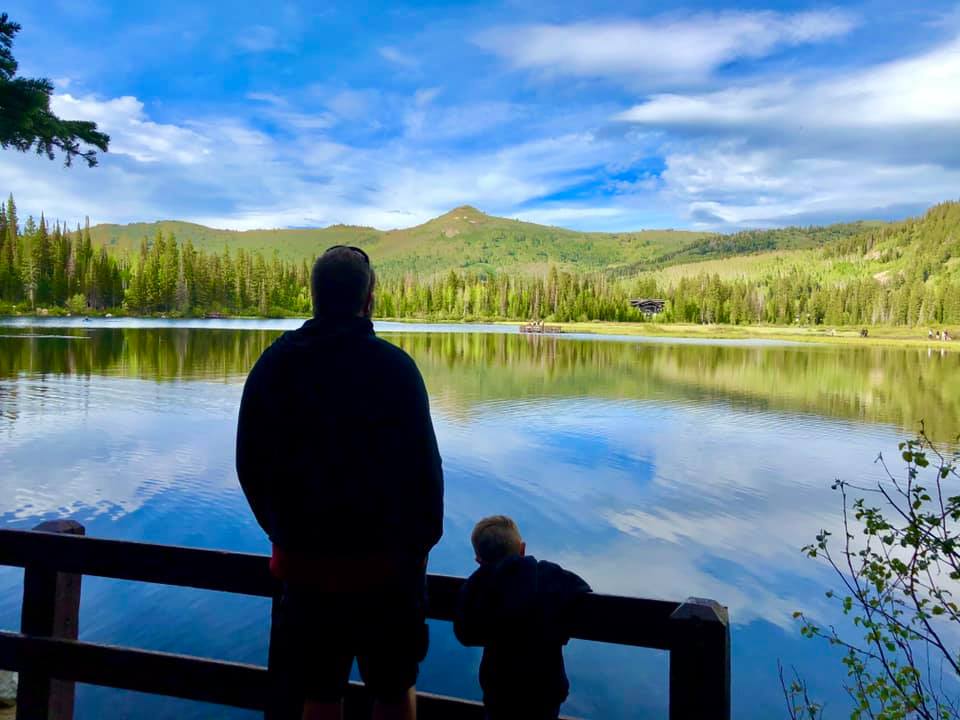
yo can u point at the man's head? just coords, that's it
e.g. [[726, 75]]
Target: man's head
[[342, 283], [495, 538]]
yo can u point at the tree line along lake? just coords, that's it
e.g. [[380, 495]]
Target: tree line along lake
[[653, 468]]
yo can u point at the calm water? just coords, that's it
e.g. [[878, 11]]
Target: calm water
[[659, 469]]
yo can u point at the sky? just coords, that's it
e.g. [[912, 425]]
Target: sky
[[590, 115]]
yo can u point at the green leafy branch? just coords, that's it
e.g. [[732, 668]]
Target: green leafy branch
[[898, 576]]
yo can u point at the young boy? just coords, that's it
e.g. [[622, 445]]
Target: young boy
[[516, 607]]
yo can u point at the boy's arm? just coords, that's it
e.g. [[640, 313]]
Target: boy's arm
[[574, 587], [576, 584], [471, 622]]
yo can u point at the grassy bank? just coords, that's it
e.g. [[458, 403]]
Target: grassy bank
[[880, 335]]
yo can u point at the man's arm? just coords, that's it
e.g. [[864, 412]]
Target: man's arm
[[423, 462], [253, 440]]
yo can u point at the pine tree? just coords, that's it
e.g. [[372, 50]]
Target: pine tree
[[182, 294], [42, 264]]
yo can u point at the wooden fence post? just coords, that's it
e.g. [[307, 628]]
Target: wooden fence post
[[700, 661], [51, 608]]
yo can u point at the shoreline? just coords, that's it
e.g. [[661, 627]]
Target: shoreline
[[878, 335]]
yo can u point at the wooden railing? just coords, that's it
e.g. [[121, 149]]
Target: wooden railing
[[50, 658]]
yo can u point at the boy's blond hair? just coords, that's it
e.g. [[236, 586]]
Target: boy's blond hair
[[495, 538]]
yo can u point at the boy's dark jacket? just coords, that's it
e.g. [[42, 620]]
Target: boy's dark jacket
[[518, 611]]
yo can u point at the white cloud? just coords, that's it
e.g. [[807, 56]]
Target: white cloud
[[425, 96], [433, 124], [397, 57], [874, 140], [909, 93], [279, 110], [259, 38], [562, 215], [726, 184], [269, 98], [131, 132], [661, 50], [352, 104], [227, 172]]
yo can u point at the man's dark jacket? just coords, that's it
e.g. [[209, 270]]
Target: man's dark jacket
[[518, 611], [335, 447]]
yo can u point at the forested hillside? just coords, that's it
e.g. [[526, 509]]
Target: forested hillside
[[463, 239], [466, 266]]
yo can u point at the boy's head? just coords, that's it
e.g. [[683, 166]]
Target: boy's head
[[495, 538]]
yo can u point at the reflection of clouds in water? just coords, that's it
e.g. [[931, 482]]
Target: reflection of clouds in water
[[517, 452], [675, 572], [84, 449], [645, 498], [701, 500], [686, 489]]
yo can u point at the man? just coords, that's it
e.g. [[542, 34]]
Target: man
[[337, 456]]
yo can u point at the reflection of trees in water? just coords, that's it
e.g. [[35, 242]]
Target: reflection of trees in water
[[156, 354], [873, 384], [898, 386]]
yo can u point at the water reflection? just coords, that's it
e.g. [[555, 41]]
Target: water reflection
[[652, 469], [873, 384]]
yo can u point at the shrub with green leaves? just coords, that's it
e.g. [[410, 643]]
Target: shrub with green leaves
[[899, 564]]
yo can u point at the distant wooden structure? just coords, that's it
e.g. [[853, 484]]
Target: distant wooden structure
[[649, 306], [537, 327], [50, 659]]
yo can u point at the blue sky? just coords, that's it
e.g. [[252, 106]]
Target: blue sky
[[598, 115]]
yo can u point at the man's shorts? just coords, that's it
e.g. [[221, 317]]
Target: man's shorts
[[317, 635]]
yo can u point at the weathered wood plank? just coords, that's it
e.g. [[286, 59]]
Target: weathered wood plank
[[184, 676], [243, 573], [51, 607]]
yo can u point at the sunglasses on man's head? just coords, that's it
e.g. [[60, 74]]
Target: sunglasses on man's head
[[365, 257]]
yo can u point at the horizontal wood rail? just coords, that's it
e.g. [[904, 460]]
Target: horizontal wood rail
[[184, 676], [50, 658]]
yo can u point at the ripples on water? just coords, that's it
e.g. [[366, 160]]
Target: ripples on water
[[653, 469]]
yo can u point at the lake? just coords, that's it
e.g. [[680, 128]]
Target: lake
[[660, 468]]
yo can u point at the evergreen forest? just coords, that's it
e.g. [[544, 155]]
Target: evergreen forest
[[903, 273]]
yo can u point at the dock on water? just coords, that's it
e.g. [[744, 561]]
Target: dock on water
[[538, 327]]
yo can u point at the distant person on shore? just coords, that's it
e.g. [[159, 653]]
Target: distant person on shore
[[337, 457], [517, 608]]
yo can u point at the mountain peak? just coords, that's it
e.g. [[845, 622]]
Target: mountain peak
[[463, 211]]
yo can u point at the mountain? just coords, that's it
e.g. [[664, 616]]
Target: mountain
[[466, 239], [462, 239]]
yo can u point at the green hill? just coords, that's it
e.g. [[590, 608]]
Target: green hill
[[466, 239], [924, 248], [462, 239], [290, 244]]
